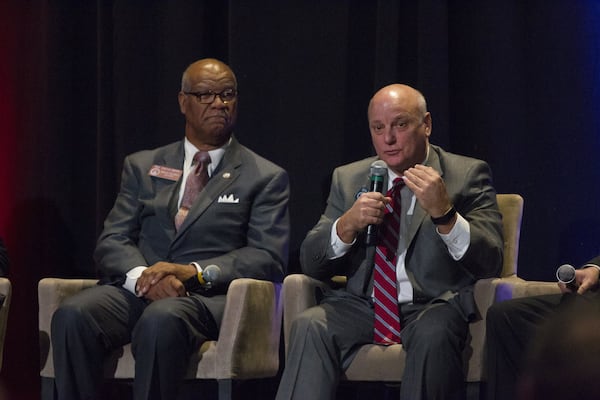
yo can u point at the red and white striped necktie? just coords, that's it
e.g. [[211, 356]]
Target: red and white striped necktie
[[387, 314]]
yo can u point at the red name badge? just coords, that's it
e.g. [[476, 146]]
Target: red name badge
[[160, 171]]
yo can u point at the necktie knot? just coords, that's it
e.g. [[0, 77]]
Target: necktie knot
[[201, 161], [397, 185], [394, 193]]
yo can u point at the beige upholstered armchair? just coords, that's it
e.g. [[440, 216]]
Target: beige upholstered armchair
[[386, 363], [248, 345], [6, 294]]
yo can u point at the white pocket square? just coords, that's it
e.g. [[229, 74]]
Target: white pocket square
[[228, 199]]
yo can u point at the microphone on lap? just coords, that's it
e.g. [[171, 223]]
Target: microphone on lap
[[203, 280], [377, 173]]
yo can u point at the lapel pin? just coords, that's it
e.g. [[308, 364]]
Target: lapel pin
[[226, 175], [360, 192]]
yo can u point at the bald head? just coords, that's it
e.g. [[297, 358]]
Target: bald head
[[396, 92], [205, 66]]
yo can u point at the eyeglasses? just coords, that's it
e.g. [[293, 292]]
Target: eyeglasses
[[226, 96]]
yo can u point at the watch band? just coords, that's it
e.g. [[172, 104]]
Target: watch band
[[444, 219]]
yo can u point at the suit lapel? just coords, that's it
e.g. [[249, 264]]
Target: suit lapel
[[419, 214], [167, 192]]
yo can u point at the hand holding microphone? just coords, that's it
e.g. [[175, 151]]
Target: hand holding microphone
[[377, 174], [203, 280], [579, 281], [368, 209]]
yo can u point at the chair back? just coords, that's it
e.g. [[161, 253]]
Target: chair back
[[511, 208], [6, 294]]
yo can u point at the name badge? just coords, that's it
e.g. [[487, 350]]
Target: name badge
[[160, 171]]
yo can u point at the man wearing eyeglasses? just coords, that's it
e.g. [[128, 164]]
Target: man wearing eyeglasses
[[161, 239]]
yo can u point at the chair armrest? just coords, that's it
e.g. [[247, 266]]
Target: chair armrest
[[512, 289], [51, 292], [6, 293], [484, 292], [299, 293], [251, 330]]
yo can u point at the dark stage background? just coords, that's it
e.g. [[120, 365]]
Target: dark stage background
[[83, 83]]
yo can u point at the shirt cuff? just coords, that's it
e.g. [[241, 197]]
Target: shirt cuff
[[591, 265], [198, 267], [458, 239], [132, 277], [337, 247]]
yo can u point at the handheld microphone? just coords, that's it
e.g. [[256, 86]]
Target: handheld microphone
[[203, 280], [566, 274], [377, 173]]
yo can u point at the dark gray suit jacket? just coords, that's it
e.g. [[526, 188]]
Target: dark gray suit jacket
[[595, 261], [433, 272], [240, 221]]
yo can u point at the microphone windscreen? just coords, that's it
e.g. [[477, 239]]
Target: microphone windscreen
[[565, 273], [211, 273], [378, 168]]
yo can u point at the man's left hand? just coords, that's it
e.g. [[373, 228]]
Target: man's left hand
[[168, 286], [429, 189], [155, 273], [585, 279]]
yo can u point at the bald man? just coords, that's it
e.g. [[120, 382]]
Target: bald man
[[158, 237], [450, 235]]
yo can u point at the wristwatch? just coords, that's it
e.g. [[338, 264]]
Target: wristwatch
[[444, 219]]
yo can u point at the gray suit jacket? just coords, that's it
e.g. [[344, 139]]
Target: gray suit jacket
[[433, 272], [245, 234]]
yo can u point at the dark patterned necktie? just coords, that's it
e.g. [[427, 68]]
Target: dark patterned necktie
[[194, 184], [387, 314]]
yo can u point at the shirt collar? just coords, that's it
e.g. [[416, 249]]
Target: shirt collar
[[215, 155]]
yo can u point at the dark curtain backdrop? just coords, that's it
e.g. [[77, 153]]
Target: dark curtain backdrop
[[83, 83]]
